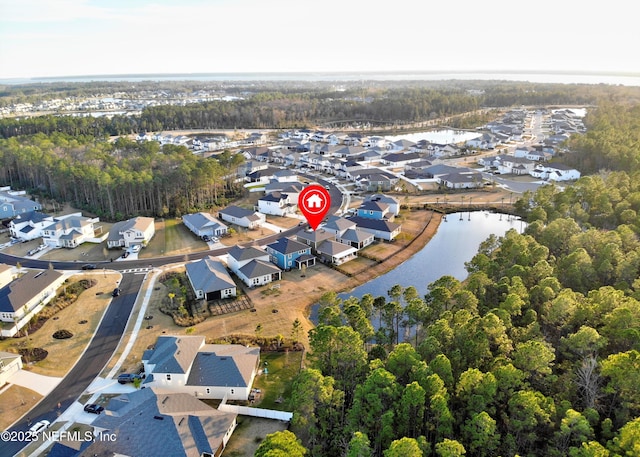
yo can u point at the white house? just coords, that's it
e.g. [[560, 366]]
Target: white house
[[24, 297], [210, 280], [252, 266], [9, 365], [242, 217], [276, 204], [186, 364], [136, 231], [392, 202], [555, 172], [381, 229], [336, 253], [69, 231], [204, 224], [29, 226]]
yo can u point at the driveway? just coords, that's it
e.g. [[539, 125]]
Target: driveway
[[34, 381]]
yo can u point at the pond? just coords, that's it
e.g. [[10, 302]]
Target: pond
[[441, 136], [455, 243]]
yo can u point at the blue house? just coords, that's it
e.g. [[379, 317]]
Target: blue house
[[374, 210], [13, 203], [288, 253]]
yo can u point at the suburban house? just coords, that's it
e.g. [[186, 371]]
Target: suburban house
[[375, 180], [242, 217], [24, 297], [555, 172], [461, 180], [276, 204], [9, 364], [315, 238], [288, 253], [374, 209], [152, 422], [400, 159], [13, 203], [186, 364], [515, 165], [204, 224], [338, 225], [69, 231], [336, 253], [381, 229], [356, 238], [210, 279], [392, 202], [252, 266], [262, 176], [28, 226], [132, 232], [292, 189]]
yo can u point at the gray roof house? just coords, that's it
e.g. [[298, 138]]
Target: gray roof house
[[186, 364], [210, 280], [204, 224], [150, 422], [24, 297], [252, 266], [13, 203], [242, 217], [380, 229]]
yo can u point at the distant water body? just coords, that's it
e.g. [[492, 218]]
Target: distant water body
[[549, 77]]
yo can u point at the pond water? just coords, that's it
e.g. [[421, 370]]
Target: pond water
[[456, 242]]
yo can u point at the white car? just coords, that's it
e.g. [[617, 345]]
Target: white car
[[136, 248], [39, 426]]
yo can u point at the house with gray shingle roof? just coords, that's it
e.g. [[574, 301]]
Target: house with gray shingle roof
[[69, 231], [285, 253], [336, 253], [314, 238], [242, 217], [24, 297], [252, 266], [28, 226], [186, 364], [13, 203], [152, 422], [356, 238], [210, 280], [132, 232], [204, 224], [381, 229]]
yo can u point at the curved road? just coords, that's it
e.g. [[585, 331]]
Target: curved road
[[109, 332]]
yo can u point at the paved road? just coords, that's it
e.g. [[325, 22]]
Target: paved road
[[89, 365], [113, 324]]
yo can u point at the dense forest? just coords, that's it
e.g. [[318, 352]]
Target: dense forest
[[120, 179], [536, 353], [298, 106]]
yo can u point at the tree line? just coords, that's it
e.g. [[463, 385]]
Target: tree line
[[536, 353], [120, 179], [281, 106]]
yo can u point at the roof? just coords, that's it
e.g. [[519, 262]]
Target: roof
[[136, 223], [153, 423], [356, 235], [229, 365], [401, 157], [68, 223], [376, 224], [33, 216], [248, 253], [274, 197], [288, 246], [315, 235], [173, 354], [209, 275], [372, 205], [15, 294], [462, 177], [236, 211], [201, 220], [257, 268], [338, 223], [334, 248]]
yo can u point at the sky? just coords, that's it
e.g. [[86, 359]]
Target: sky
[[113, 37]]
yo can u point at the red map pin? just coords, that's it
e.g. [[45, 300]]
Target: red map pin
[[314, 203]]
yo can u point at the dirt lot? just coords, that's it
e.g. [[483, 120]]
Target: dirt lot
[[14, 403], [249, 434]]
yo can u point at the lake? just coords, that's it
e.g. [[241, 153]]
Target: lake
[[456, 242], [441, 136]]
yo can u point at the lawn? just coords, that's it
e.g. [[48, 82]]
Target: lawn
[[172, 238], [276, 386]]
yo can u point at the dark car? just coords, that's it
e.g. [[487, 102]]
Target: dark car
[[115, 292], [125, 254], [206, 238], [128, 377], [93, 408], [89, 266]]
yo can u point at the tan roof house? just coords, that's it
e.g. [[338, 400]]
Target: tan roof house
[[136, 231]]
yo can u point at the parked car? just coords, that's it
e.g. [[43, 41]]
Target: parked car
[[115, 292], [93, 408], [136, 248], [124, 378], [39, 426], [89, 266], [125, 254], [206, 238]]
